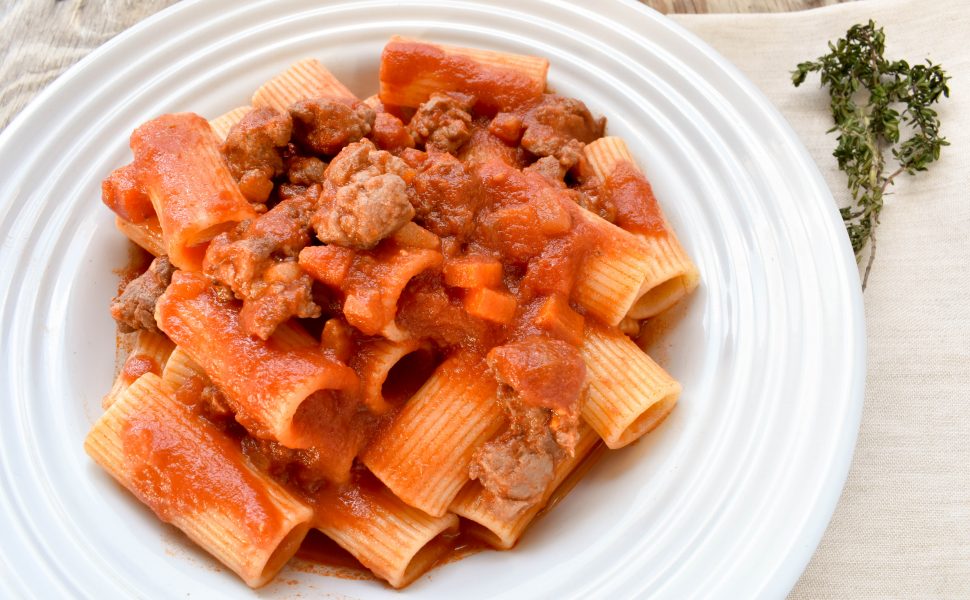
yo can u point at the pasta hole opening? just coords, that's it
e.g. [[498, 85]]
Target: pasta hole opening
[[407, 376], [428, 556], [646, 422], [284, 550], [500, 540], [660, 298], [319, 549], [333, 425]]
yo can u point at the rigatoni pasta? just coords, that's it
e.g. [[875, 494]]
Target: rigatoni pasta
[[412, 70], [183, 171], [149, 353], [423, 455], [400, 321], [391, 538], [303, 80], [192, 476], [265, 383], [670, 274]]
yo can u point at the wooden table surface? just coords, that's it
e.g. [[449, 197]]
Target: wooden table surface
[[40, 39]]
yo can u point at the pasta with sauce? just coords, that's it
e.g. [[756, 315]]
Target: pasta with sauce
[[389, 320]]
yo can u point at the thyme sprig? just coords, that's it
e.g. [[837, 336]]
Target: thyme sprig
[[871, 97]]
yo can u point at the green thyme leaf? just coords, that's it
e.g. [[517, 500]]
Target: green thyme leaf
[[874, 103]]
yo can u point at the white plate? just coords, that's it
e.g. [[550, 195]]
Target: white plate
[[728, 499]]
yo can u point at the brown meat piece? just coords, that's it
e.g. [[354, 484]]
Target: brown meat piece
[[257, 261], [134, 308], [484, 146], [550, 168], [305, 170], [339, 429], [517, 467], [512, 469], [446, 197], [215, 405], [286, 291], [325, 125], [365, 197], [442, 123], [560, 127], [307, 469], [206, 399], [507, 127], [253, 148]]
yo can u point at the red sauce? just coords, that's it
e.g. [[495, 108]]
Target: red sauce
[[179, 465], [632, 197], [389, 133], [123, 193], [495, 88], [543, 372]]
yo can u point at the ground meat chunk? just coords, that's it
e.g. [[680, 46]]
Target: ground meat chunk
[[442, 123], [550, 168], [305, 170], [517, 467], [325, 125], [541, 381], [512, 469], [135, 308], [337, 429], [307, 469], [547, 374], [287, 291], [559, 126], [257, 262], [484, 146], [446, 196], [215, 405], [365, 197], [253, 149]]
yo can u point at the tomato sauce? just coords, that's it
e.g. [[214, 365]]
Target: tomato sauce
[[170, 474], [632, 197]]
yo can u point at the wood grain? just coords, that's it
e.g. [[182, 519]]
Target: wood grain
[[40, 39]]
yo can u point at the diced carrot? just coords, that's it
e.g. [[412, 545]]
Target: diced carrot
[[473, 271], [558, 318], [327, 264], [414, 236], [491, 305]]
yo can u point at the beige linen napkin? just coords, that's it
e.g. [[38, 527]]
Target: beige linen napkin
[[902, 527]]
